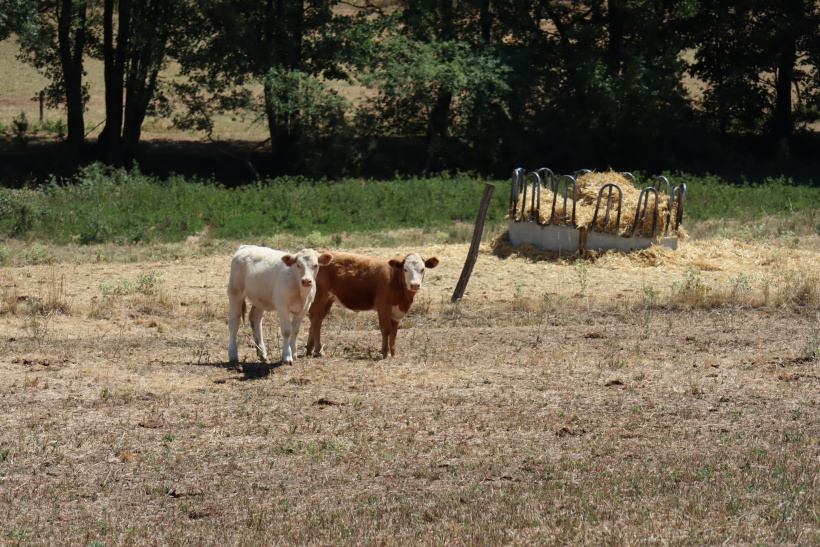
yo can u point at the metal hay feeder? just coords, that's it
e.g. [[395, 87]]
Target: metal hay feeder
[[561, 233]]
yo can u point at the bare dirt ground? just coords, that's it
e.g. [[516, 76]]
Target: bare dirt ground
[[667, 397]]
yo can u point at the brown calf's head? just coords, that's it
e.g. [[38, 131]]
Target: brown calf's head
[[307, 261], [413, 267]]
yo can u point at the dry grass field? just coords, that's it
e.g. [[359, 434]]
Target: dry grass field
[[660, 398]]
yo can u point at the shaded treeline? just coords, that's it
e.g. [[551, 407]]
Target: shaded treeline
[[482, 85]]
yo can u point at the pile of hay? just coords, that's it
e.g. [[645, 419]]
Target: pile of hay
[[589, 185]]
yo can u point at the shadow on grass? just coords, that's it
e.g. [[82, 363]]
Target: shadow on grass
[[256, 371], [247, 371]]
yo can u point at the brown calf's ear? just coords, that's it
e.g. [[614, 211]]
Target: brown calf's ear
[[431, 262], [396, 264], [289, 260], [325, 259]]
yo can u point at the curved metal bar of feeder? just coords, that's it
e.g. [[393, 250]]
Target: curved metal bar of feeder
[[682, 201], [566, 192], [655, 183], [678, 192], [574, 201], [535, 198], [514, 193], [546, 170], [580, 172], [641, 217], [547, 173], [630, 176], [611, 186], [671, 208], [515, 189]]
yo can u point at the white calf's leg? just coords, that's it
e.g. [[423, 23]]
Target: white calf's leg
[[287, 334], [234, 318], [294, 337], [255, 318]]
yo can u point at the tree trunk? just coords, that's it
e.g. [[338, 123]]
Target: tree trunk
[[114, 59], [136, 104], [575, 78], [113, 75], [284, 137], [448, 24], [71, 62], [439, 121], [615, 20], [138, 97], [439, 127], [145, 60], [783, 123], [485, 19], [287, 40]]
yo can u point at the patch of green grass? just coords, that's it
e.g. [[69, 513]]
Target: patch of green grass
[[712, 197], [102, 205], [772, 208], [146, 283]]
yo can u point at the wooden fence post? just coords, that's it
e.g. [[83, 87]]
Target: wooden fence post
[[474, 245]]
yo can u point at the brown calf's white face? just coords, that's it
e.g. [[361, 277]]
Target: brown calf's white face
[[307, 263], [414, 268]]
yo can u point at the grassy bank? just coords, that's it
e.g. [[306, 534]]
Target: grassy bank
[[101, 205]]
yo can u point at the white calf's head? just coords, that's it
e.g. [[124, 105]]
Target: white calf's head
[[307, 262], [413, 267]]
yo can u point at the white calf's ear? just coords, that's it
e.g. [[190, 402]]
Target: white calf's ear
[[289, 260], [325, 259], [396, 264], [431, 262]]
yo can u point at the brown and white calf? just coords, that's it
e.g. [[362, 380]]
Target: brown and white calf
[[362, 283], [272, 280]]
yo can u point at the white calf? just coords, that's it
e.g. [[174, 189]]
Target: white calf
[[272, 280]]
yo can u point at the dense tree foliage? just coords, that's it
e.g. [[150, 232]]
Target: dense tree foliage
[[477, 84], [289, 47], [760, 60]]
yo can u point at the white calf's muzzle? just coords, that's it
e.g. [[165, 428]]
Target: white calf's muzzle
[[306, 282]]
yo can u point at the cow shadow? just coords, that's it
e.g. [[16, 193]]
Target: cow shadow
[[247, 371], [259, 370]]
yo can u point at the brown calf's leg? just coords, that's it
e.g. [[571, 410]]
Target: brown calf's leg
[[384, 325], [318, 311], [394, 328]]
